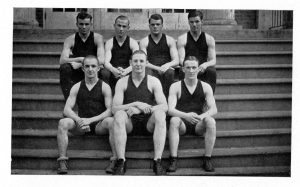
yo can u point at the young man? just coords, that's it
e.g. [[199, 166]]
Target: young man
[[186, 101], [93, 98], [202, 46], [76, 47], [139, 104], [118, 51], [162, 52]]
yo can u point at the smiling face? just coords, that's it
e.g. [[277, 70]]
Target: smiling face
[[121, 27], [84, 25], [90, 67], [195, 23], [138, 63], [155, 26], [190, 69]]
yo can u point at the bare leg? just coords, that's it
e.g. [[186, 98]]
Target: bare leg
[[209, 125], [158, 122], [64, 126], [176, 129]]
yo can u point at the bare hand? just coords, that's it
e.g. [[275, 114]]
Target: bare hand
[[76, 65], [192, 118], [116, 72], [133, 110], [202, 68], [164, 67]]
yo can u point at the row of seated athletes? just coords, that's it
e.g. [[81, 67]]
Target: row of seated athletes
[[164, 54], [140, 106]]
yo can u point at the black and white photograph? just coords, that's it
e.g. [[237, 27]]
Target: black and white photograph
[[183, 92]]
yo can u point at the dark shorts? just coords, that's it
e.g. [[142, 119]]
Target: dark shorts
[[93, 128], [139, 124], [190, 128]]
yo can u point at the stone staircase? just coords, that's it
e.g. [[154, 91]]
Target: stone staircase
[[253, 97]]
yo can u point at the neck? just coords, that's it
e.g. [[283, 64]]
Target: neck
[[91, 80], [138, 76], [121, 38], [84, 36], [156, 36], [190, 82], [195, 33]]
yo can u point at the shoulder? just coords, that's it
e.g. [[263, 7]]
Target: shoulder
[[122, 82], [206, 87], [170, 40], [75, 88], [209, 39], [132, 41], [70, 39], [133, 44], [105, 87], [109, 42], [98, 37], [176, 85], [182, 38], [144, 41], [153, 81]]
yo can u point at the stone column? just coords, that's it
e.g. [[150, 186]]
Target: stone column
[[24, 18]]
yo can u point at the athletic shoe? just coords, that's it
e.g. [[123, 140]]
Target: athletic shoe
[[120, 167], [207, 164], [110, 168], [62, 167], [158, 168], [173, 164]]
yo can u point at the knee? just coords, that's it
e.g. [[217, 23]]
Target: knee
[[160, 118], [169, 74], [63, 125], [120, 119], [210, 123], [65, 68], [108, 123], [175, 123], [211, 72], [105, 74]]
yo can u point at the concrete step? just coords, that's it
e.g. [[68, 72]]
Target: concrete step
[[237, 102], [223, 58], [237, 120], [188, 158], [223, 71], [248, 34], [46, 139], [227, 171], [221, 45], [224, 86]]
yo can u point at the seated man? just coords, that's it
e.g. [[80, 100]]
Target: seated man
[[186, 101], [76, 47], [139, 103], [118, 51], [201, 45], [162, 53], [93, 98]]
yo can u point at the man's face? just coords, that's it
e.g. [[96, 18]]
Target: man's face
[[121, 27], [90, 68], [138, 63], [195, 23], [155, 26], [84, 25], [190, 69]]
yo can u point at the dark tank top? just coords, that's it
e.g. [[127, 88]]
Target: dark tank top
[[90, 103], [191, 102], [198, 48], [121, 54], [141, 93], [82, 49], [158, 54]]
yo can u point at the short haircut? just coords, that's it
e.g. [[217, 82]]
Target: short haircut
[[139, 52], [156, 17], [83, 15], [89, 57], [190, 58], [122, 17], [195, 13]]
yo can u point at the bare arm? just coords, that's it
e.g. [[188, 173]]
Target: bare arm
[[173, 52], [68, 45], [119, 96], [158, 94], [133, 46], [68, 109], [108, 56], [106, 91], [181, 42], [211, 59], [98, 39], [210, 101], [172, 101]]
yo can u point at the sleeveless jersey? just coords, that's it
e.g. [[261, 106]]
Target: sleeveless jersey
[[158, 54], [82, 49], [191, 102], [121, 54], [90, 103], [198, 48], [141, 93]]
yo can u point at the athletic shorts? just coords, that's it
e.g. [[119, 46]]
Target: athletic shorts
[[139, 124], [190, 128]]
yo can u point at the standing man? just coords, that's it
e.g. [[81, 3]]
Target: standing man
[[139, 105], [76, 47], [162, 52], [118, 51], [186, 100], [201, 45], [93, 98]]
